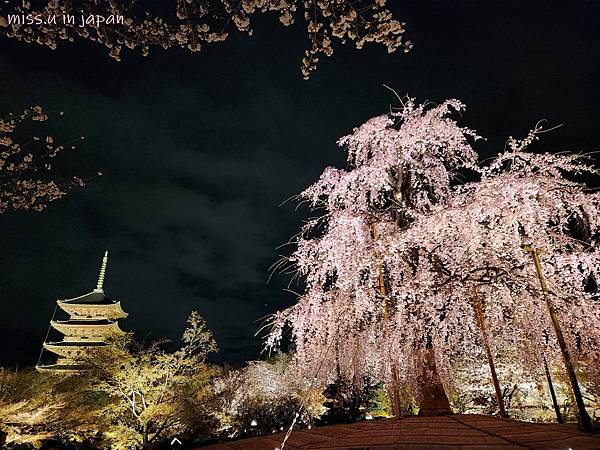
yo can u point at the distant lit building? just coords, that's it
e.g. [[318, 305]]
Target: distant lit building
[[93, 318]]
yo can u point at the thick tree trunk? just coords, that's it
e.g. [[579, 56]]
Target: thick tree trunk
[[488, 352], [394, 394], [584, 422], [395, 384], [145, 435], [434, 401]]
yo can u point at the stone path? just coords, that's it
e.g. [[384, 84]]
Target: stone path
[[426, 433]]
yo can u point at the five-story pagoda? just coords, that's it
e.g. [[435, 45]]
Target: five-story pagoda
[[93, 318]]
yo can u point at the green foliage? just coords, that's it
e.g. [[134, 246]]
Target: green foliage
[[152, 391], [381, 405], [36, 406]]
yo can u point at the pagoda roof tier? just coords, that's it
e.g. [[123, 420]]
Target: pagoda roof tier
[[94, 322], [112, 308], [63, 348], [96, 297], [65, 325]]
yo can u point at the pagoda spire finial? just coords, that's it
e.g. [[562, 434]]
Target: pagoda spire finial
[[100, 285]]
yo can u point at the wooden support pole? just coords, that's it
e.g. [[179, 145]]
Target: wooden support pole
[[559, 417], [585, 422]]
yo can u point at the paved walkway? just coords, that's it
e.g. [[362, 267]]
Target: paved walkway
[[426, 433]]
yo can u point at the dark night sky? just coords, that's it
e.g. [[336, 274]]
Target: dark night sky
[[199, 150]]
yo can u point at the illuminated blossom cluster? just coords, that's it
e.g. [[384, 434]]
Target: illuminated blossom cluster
[[402, 253], [473, 247], [25, 183], [401, 166], [191, 24]]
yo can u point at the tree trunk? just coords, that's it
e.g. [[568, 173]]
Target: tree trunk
[[394, 393], [395, 384], [584, 422], [434, 401], [145, 435], [488, 352]]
